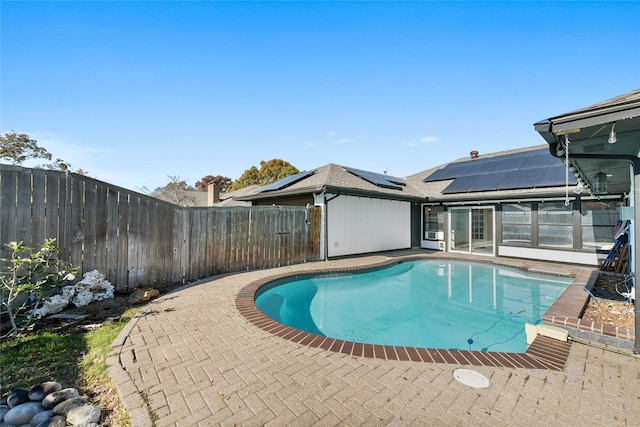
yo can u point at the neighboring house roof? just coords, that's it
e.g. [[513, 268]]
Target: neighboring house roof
[[231, 198], [200, 198], [184, 197]]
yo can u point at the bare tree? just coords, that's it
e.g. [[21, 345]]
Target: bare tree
[[176, 191]]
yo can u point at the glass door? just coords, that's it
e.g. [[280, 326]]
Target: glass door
[[471, 230], [459, 232], [482, 231]]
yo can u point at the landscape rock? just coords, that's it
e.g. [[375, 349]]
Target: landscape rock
[[91, 288], [3, 410], [82, 298], [69, 409], [42, 417], [18, 396], [56, 421], [41, 390], [23, 413], [63, 408], [53, 399], [84, 415], [140, 296], [52, 305]]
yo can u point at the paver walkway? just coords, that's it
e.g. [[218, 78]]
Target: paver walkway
[[190, 359]]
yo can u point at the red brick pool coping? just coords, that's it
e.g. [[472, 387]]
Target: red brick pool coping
[[543, 353]]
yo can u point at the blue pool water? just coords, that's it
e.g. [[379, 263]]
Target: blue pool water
[[420, 303]]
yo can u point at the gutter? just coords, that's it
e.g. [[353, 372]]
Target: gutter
[[634, 160]]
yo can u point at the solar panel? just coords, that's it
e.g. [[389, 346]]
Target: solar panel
[[511, 163], [525, 159], [524, 178], [529, 169], [554, 175], [542, 160], [384, 181], [485, 182], [459, 185], [448, 172], [285, 182]]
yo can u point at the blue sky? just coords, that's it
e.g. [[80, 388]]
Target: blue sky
[[136, 91]]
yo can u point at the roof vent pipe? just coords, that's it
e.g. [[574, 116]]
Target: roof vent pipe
[[474, 154]]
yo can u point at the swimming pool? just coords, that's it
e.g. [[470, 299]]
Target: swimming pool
[[419, 303]]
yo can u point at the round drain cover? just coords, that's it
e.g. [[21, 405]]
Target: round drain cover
[[471, 378]]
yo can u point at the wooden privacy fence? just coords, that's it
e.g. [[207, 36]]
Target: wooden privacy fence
[[137, 241]]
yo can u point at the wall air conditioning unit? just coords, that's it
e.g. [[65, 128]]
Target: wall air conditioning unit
[[435, 235]]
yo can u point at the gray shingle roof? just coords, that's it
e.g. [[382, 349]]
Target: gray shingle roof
[[334, 178]]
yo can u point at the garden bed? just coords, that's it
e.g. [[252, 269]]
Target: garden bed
[[609, 306]]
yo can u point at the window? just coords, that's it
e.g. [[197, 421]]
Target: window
[[433, 219], [516, 224], [598, 224], [555, 225]]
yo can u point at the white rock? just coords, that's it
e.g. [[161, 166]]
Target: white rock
[[68, 292], [91, 288], [92, 278], [52, 305], [82, 298]]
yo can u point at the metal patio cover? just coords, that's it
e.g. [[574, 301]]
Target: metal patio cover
[[588, 131]]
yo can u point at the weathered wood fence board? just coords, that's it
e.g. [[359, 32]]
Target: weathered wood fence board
[[136, 240]]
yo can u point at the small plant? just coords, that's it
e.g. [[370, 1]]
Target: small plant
[[30, 277]]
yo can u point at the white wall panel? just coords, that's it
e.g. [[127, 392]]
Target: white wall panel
[[587, 258], [359, 225]]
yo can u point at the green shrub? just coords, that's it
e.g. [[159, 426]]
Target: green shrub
[[29, 277]]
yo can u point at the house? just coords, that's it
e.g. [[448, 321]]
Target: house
[[362, 211], [216, 198], [512, 203], [520, 203], [532, 203]]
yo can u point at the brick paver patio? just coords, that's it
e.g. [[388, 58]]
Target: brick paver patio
[[191, 359]]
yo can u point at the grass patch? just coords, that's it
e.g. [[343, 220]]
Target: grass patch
[[71, 356], [41, 356]]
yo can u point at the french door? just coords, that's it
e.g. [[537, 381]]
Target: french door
[[471, 230]]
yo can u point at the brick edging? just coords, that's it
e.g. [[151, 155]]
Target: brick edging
[[567, 309], [543, 353], [591, 326]]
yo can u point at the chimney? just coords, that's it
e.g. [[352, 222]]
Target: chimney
[[474, 154], [213, 194]]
